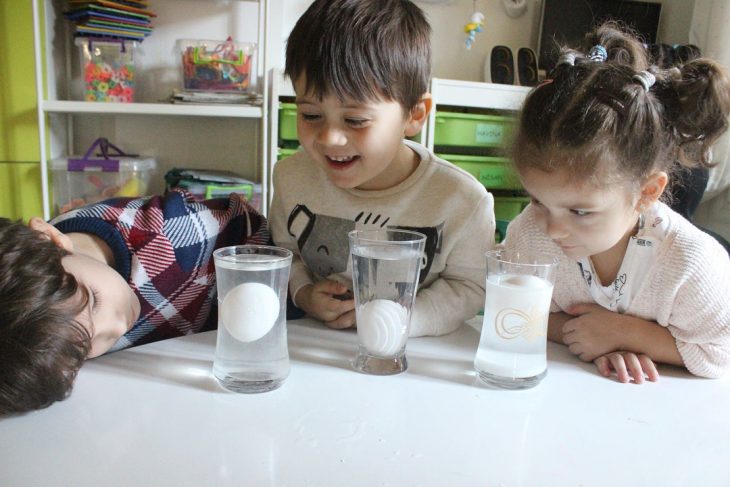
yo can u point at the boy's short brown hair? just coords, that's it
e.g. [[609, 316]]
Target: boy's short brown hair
[[363, 50], [42, 346]]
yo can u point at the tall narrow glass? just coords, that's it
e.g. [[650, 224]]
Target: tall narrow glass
[[385, 269], [251, 353], [512, 348]]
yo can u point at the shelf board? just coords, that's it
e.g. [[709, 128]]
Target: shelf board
[[477, 94], [189, 110]]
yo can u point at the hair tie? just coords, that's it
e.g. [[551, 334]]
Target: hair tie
[[566, 58], [598, 54], [645, 79]]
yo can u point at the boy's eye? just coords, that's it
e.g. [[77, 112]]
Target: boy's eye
[[95, 297], [310, 117], [535, 201], [581, 212], [356, 122]]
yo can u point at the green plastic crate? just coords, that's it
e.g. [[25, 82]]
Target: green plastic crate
[[492, 172], [283, 152], [288, 122], [508, 207], [472, 130], [501, 230]]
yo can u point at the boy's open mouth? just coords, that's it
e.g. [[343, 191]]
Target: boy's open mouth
[[341, 162]]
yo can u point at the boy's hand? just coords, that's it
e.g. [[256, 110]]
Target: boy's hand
[[593, 332], [345, 320], [328, 301], [627, 366]]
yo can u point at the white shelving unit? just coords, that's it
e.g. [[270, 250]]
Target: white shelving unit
[[473, 95], [231, 137], [280, 86], [152, 109]]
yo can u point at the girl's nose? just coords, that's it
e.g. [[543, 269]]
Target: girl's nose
[[330, 135], [555, 228]]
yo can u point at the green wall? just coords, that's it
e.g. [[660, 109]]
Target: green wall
[[20, 186]]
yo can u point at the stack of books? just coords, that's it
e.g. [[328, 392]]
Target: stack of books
[[119, 19], [211, 97]]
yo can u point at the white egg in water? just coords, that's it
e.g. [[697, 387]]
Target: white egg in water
[[381, 326], [249, 311], [524, 281]]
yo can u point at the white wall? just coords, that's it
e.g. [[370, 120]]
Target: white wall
[[450, 57]]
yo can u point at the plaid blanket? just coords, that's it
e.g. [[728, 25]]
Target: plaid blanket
[[163, 246]]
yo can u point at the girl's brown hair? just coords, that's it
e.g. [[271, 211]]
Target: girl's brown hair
[[590, 113]]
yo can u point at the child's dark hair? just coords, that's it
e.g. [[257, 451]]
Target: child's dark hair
[[363, 50], [42, 346], [593, 111]]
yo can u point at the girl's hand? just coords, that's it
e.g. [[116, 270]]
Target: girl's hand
[[328, 301], [594, 331], [627, 366]]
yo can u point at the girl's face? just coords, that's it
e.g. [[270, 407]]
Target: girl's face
[[584, 220], [359, 145]]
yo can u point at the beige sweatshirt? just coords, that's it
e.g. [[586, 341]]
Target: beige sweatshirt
[[312, 217], [687, 289]]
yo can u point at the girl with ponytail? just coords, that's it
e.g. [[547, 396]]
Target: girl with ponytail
[[637, 284]]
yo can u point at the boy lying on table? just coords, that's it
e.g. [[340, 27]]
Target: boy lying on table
[[104, 277]]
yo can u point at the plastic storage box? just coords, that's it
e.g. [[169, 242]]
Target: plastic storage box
[[78, 181], [285, 152], [492, 172], [472, 130], [508, 207], [108, 69], [224, 66], [288, 123], [205, 184]]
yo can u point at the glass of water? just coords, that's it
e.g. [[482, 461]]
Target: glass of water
[[251, 353], [512, 348], [385, 268]]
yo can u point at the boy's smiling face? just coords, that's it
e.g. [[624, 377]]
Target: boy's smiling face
[[358, 144]]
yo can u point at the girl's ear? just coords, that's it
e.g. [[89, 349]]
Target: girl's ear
[[652, 189], [52, 233], [418, 115]]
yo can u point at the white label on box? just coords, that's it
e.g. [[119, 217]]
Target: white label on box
[[488, 133]]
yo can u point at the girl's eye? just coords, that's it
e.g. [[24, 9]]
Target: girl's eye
[[581, 212]]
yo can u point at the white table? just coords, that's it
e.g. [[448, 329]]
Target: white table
[[154, 416]]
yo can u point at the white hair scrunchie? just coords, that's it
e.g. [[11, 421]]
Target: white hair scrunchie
[[645, 79]]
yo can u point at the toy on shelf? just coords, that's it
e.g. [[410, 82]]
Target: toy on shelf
[[204, 184], [119, 19], [217, 66], [78, 181], [475, 25], [108, 69]]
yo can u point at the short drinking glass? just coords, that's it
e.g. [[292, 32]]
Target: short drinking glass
[[385, 269], [511, 353], [251, 353]]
